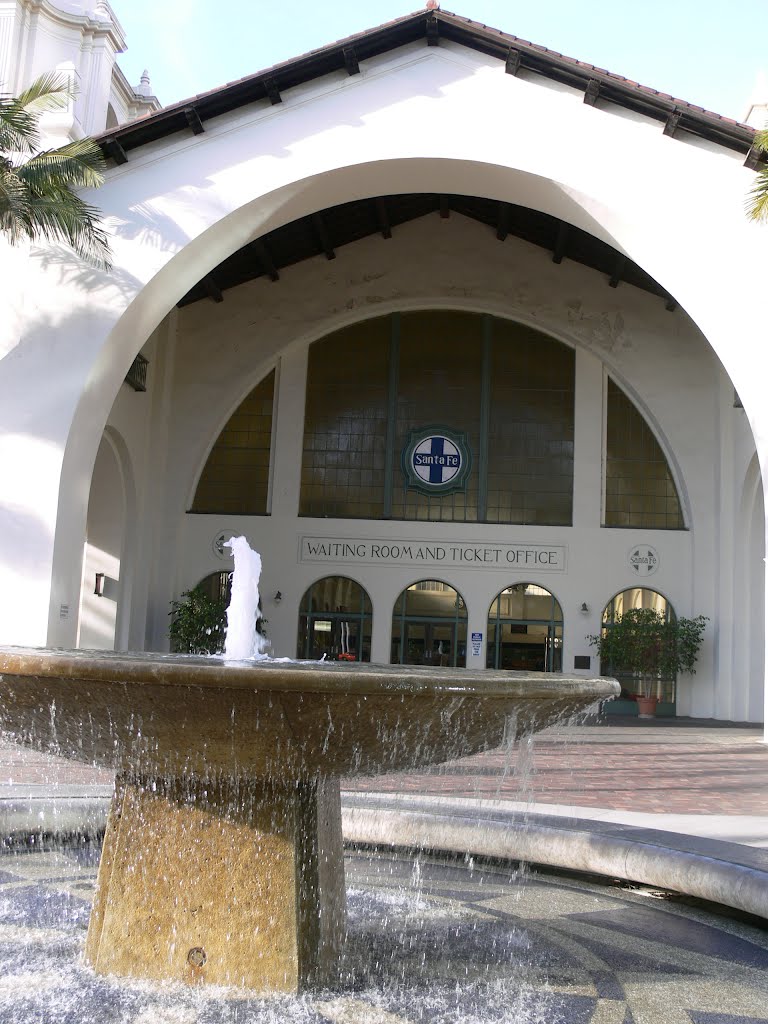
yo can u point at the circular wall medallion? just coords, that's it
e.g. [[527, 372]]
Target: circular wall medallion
[[436, 460], [643, 560], [218, 545]]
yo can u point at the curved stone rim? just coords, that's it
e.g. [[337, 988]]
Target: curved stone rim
[[288, 676]]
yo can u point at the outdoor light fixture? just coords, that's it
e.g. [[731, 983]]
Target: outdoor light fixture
[[99, 588], [584, 608], [278, 597]]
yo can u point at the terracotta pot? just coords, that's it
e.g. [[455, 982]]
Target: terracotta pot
[[646, 706]]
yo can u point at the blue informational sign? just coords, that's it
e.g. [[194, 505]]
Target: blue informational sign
[[477, 643], [436, 460]]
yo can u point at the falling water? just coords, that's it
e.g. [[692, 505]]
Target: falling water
[[243, 642]]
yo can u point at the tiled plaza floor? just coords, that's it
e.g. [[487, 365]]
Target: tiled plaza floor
[[428, 942]]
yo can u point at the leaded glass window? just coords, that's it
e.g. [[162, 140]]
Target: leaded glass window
[[639, 488], [235, 478]]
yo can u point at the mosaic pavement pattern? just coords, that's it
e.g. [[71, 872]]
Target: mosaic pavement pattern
[[429, 943]]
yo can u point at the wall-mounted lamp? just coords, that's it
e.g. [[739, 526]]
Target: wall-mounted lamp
[[278, 597], [99, 587], [584, 608]]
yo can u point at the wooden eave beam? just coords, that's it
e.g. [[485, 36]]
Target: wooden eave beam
[[193, 120], [755, 160], [502, 224], [351, 62], [382, 216], [267, 264], [592, 92], [322, 233], [212, 290], [115, 151], [618, 271], [272, 91], [433, 31], [514, 60], [558, 253], [673, 123]]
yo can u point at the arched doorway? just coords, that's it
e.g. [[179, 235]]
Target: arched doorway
[[429, 626], [525, 630], [665, 690], [335, 617]]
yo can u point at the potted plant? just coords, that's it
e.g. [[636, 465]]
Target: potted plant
[[651, 647], [199, 621]]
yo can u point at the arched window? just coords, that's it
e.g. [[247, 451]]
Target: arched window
[[335, 618], [639, 597], [235, 478], [639, 488], [385, 391], [525, 630], [429, 626]]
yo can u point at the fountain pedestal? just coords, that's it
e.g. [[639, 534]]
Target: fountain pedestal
[[222, 861], [227, 883]]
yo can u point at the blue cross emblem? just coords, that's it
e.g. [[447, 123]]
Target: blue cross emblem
[[436, 460]]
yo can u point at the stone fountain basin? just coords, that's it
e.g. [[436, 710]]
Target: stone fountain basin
[[223, 858], [178, 715]]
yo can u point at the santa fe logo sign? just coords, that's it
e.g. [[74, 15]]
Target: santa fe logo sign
[[436, 460]]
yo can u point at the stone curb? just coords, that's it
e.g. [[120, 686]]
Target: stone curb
[[720, 872], [34, 811], [704, 870]]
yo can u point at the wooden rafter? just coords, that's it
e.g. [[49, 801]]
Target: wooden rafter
[[382, 216], [212, 290], [322, 234], [193, 120], [561, 242], [351, 62], [266, 263]]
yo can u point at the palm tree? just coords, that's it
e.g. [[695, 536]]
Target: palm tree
[[38, 200], [757, 200]]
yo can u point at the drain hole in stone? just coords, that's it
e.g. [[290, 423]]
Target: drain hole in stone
[[196, 956]]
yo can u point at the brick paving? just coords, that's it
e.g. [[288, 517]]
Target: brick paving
[[649, 769], [653, 769]]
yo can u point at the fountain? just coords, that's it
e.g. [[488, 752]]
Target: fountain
[[223, 860]]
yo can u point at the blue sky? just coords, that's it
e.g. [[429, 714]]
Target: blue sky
[[705, 51]]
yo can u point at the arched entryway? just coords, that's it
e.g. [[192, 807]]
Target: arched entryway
[[664, 689], [525, 630], [429, 626], [335, 618]]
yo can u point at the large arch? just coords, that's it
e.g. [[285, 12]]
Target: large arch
[[416, 121]]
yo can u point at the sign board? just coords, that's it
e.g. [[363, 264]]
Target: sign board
[[477, 643], [436, 460], [643, 560], [528, 558]]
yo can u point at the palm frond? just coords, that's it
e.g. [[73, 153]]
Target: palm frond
[[13, 206], [760, 140], [51, 91], [19, 130], [79, 164], [757, 200], [37, 189], [66, 218]]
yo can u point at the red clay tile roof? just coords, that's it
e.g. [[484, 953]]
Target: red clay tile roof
[[430, 26]]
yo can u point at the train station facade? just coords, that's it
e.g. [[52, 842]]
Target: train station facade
[[458, 332]]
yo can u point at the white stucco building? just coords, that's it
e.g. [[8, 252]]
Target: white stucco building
[[380, 251]]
